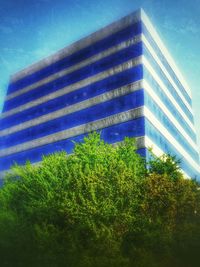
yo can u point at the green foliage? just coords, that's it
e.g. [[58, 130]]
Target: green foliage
[[166, 164], [99, 207]]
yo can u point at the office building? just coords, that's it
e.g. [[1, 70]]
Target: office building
[[120, 80]]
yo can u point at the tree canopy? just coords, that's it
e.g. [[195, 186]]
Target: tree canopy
[[100, 206]]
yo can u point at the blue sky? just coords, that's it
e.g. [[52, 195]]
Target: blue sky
[[33, 29]]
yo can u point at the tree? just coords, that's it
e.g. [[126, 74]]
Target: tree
[[166, 164], [99, 207]]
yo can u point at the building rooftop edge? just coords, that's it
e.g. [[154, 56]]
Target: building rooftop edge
[[166, 53], [67, 50], [137, 15]]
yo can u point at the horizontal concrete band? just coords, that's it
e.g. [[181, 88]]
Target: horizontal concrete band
[[164, 144], [140, 144], [88, 127], [168, 103], [166, 64], [165, 90], [75, 88], [108, 52], [87, 41], [105, 85], [168, 85], [111, 134], [100, 76], [75, 67], [76, 107], [116, 26], [88, 71], [115, 119], [150, 116], [166, 73], [162, 118], [100, 99], [156, 77], [158, 151], [95, 112], [168, 114], [164, 50]]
